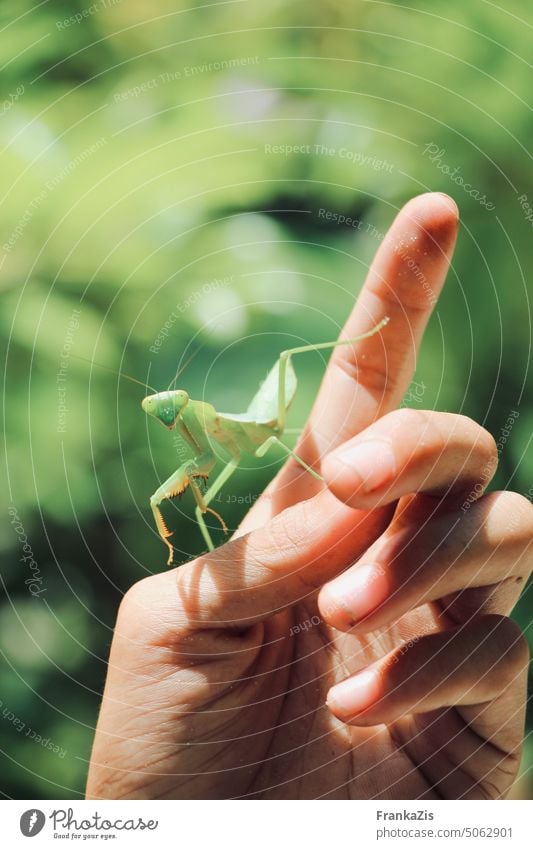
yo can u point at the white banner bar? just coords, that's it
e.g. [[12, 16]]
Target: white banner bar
[[268, 824]]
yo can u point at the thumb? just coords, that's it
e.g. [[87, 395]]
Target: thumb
[[278, 565]]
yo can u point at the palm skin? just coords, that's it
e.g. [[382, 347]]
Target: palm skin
[[221, 672]]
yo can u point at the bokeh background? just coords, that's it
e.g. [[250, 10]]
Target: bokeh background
[[153, 206]]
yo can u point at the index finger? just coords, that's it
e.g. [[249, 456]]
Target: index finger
[[369, 378]]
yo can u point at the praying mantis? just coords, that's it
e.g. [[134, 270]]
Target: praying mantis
[[253, 432]]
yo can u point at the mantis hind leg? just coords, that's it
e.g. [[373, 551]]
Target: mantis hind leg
[[213, 490], [285, 356], [176, 484], [273, 440]]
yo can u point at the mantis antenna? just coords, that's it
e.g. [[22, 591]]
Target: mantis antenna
[[134, 379], [114, 371], [187, 363]]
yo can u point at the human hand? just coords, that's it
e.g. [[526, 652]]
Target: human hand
[[235, 675]]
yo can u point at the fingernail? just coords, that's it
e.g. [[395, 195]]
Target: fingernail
[[373, 462], [451, 202], [354, 695], [355, 594]]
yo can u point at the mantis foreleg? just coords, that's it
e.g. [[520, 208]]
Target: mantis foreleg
[[215, 487], [285, 356], [198, 467]]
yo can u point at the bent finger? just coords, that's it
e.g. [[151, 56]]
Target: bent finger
[[475, 665], [485, 553], [410, 451]]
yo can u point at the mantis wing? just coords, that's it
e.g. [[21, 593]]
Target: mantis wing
[[263, 408], [264, 404]]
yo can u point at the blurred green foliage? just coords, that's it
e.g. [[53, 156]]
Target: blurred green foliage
[[144, 207]]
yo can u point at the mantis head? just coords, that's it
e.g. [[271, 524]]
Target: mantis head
[[166, 406]]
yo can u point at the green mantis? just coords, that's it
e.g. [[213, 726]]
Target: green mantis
[[254, 432]]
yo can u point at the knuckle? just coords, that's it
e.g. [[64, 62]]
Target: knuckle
[[410, 419], [405, 668], [481, 438], [287, 536], [522, 508], [472, 445], [510, 644], [277, 548], [467, 422], [149, 603], [516, 512], [521, 654], [486, 445], [483, 441], [517, 650], [135, 599], [133, 609], [444, 426], [371, 374]]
